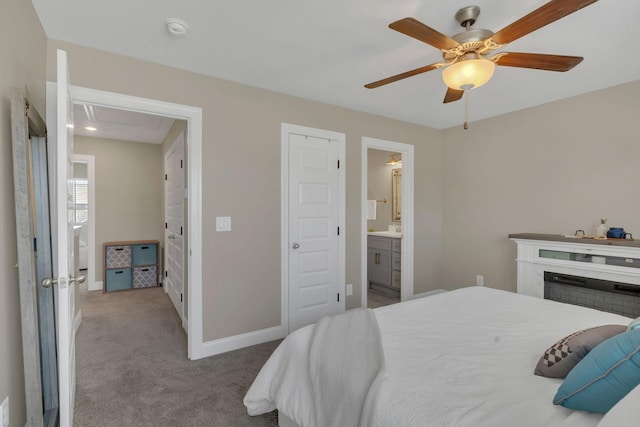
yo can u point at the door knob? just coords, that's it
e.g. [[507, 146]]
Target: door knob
[[80, 278], [295, 246], [46, 283]]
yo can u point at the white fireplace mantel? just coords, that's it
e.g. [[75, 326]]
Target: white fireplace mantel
[[531, 265]]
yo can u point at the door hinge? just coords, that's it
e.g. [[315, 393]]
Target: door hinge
[[165, 225], [181, 231], [166, 274], [338, 296], [338, 231], [26, 108], [35, 245], [338, 164], [180, 163], [165, 176], [180, 297]]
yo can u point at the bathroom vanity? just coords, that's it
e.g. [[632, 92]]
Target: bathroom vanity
[[384, 261]]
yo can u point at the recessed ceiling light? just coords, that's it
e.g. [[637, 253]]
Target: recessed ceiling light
[[177, 27], [91, 128]]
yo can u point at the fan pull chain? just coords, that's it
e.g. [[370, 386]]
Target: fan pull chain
[[466, 109], [466, 89]]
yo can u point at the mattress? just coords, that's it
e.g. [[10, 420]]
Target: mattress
[[463, 358]]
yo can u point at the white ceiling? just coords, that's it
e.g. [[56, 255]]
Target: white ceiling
[[118, 124], [327, 50]]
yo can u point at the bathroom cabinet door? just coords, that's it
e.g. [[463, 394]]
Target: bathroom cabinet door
[[379, 266]]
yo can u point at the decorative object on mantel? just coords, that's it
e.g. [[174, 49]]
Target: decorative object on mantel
[[616, 233], [580, 234], [601, 229]]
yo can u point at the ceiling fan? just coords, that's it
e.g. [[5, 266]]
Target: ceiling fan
[[466, 62]]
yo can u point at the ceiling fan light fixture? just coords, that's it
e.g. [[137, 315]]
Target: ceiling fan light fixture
[[468, 73]]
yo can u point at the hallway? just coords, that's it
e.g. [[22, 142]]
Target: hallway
[[132, 368]]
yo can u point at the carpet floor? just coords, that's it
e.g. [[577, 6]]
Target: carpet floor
[[132, 368]]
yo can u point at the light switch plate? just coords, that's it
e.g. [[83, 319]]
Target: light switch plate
[[223, 223]]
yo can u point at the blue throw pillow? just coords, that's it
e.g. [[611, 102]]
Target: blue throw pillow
[[605, 375]]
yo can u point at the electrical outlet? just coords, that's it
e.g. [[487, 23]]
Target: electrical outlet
[[479, 280], [4, 412], [349, 289]]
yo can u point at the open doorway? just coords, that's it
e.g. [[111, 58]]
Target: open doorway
[[128, 183], [130, 149], [191, 118], [384, 227], [387, 222]]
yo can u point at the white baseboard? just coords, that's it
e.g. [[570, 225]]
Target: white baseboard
[[76, 321], [222, 345], [95, 286]]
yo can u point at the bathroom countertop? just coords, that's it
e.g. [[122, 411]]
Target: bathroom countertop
[[394, 234]]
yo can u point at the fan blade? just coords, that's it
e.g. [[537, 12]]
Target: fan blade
[[452, 95], [416, 29], [539, 61], [401, 76], [540, 17]]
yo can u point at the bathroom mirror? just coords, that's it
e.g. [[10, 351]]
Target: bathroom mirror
[[396, 194]]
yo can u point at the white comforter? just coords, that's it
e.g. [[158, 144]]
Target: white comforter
[[460, 358], [333, 368]]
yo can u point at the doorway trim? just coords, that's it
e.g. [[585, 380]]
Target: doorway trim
[[193, 116], [92, 283], [407, 152], [340, 138]]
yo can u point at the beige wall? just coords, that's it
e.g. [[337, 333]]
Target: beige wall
[[129, 190], [241, 179], [23, 52], [379, 188], [550, 169]]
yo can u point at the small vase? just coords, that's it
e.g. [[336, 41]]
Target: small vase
[[601, 230]]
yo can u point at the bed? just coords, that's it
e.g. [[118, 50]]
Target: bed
[[459, 358]]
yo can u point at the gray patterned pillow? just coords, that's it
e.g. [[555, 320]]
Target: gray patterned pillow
[[560, 358]]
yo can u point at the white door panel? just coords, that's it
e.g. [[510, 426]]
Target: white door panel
[[61, 172], [174, 232], [313, 229]]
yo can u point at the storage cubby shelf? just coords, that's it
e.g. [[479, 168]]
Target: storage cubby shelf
[[131, 265]]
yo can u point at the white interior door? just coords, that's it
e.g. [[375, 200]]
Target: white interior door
[[313, 229], [62, 211], [174, 229]]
